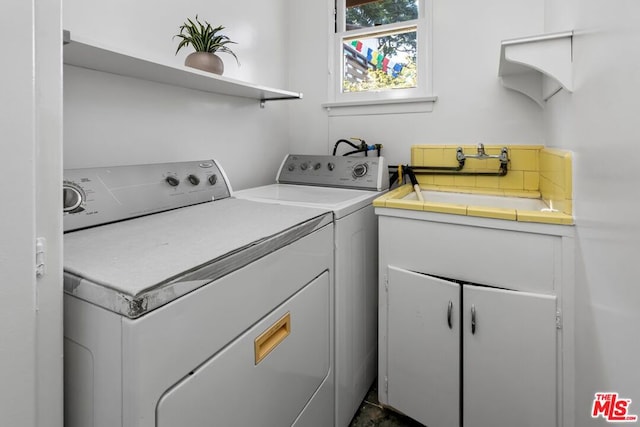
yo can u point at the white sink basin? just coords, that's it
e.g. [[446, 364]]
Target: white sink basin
[[518, 203]]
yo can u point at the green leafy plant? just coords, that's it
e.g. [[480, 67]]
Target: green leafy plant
[[377, 80], [204, 38]]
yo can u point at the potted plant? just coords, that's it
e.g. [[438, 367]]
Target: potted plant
[[206, 41]]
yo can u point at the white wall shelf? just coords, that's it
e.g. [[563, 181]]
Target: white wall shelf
[[80, 52], [524, 62]]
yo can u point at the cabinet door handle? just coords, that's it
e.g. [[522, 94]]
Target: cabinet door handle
[[473, 319], [449, 313]]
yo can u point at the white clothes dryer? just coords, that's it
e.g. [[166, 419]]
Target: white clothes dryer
[[187, 307], [347, 186]]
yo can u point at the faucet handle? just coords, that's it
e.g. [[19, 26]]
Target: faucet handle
[[504, 155]]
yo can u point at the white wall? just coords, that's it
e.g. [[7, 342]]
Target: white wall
[[472, 106], [111, 120], [599, 122]]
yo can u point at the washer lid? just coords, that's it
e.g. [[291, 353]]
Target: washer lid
[[133, 266], [342, 201]]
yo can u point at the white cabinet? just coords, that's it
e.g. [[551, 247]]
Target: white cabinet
[[423, 347], [506, 355], [495, 351], [508, 358]]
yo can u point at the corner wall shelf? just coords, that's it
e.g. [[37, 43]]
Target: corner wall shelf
[[85, 54], [524, 62]]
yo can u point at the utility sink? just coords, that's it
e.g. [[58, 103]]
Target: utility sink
[[513, 208], [506, 202]]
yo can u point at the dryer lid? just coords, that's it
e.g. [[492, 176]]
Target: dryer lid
[[134, 266]]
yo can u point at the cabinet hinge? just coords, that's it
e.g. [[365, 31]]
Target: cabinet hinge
[[41, 252], [386, 384], [558, 320], [386, 283]]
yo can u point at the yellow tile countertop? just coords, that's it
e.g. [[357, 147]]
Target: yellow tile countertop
[[527, 206], [536, 188]]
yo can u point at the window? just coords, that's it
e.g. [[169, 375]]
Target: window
[[380, 51]]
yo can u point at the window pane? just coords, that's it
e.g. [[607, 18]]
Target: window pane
[[380, 62], [370, 13]]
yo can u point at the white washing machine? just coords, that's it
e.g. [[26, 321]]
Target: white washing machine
[[346, 186], [187, 307]]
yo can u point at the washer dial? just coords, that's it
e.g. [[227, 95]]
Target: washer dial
[[360, 170]]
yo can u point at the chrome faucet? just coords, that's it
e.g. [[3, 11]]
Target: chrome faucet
[[481, 154]]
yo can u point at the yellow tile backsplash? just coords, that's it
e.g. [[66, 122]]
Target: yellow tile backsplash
[[464, 181], [442, 180], [531, 180], [556, 183], [524, 159], [533, 171], [514, 180]]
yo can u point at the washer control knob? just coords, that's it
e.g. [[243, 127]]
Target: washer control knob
[[291, 167], [360, 170], [193, 179], [331, 166], [172, 181], [317, 166], [73, 198], [304, 166], [213, 179]]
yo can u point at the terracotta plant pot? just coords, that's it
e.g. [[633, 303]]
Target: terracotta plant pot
[[205, 61]]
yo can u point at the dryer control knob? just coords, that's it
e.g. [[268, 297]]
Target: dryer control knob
[[73, 197], [213, 179], [317, 166], [360, 170], [331, 166], [291, 167], [304, 166], [193, 179], [172, 181]]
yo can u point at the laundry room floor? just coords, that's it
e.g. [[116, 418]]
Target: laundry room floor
[[372, 414]]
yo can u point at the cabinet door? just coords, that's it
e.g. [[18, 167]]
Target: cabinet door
[[509, 358], [423, 345]]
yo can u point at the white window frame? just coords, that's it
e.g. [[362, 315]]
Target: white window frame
[[423, 93]]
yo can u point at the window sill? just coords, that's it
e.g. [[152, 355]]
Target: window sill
[[381, 106]]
